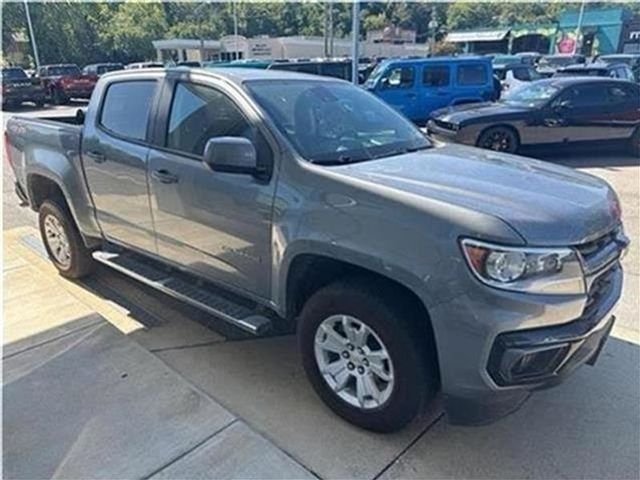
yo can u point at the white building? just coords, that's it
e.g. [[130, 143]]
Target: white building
[[267, 48]]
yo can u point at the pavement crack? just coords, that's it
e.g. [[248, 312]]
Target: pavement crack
[[406, 449], [192, 449], [185, 347]]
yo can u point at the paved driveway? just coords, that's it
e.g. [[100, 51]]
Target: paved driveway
[[588, 427]]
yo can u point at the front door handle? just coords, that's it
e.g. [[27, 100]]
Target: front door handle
[[552, 122], [97, 156], [164, 176]]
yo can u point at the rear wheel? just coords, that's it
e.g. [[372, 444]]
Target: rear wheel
[[364, 357], [59, 98], [63, 242], [499, 139]]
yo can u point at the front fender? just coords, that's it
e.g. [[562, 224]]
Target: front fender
[[334, 251]]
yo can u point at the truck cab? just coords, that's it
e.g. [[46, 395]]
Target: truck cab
[[417, 87]]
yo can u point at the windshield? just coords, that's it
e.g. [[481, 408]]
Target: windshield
[[64, 70], [109, 68], [374, 75], [333, 123], [530, 95], [609, 60], [557, 61], [14, 74]]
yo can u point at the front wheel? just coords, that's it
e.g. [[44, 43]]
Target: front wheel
[[499, 139], [63, 242], [364, 357]]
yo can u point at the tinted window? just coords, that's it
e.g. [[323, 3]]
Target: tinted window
[[622, 94], [435, 76], [521, 74], [400, 77], [199, 113], [336, 70], [63, 70], [126, 108], [472, 75], [14, 74], [585, 96]]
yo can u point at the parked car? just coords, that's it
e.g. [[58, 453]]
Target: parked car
[[502, 60], [63, 82], [611, 70], [548, 64], [137, 65], [269, 197], [530, 58], [189, 63], [99, 69], [18, 88], [631, 59], [418, 87], [515, 75], [565, 110], [327, 68]]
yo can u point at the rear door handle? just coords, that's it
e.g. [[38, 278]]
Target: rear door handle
[[97, 156], [164, 176]]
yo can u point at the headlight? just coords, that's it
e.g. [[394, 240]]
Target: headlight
[[524, 269]]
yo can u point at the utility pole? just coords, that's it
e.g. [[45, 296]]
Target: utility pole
[[578, 41], [34, 46], [330, 29], [355, 34], [235, 29], [325, 29]]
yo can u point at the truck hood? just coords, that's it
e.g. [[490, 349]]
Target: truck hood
[[461, 114], [546, 204]]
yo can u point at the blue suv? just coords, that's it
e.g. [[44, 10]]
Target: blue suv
[[417, 87]]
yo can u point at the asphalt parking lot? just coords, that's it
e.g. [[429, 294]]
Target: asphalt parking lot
[[228, 392]]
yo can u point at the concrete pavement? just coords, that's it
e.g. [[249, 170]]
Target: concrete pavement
[[588, 427]]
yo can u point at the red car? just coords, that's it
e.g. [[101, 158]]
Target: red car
[[65, 81]]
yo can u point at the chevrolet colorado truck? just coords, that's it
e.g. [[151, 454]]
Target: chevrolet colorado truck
[[406, 268]]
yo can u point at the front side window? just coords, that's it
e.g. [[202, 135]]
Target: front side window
[[400, 77], [199, 113], [472, 75], [126, 107], [584, 96], [335, 122], [436, 76]]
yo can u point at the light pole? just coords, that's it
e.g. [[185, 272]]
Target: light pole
[[355, 33], [34, 46], [578, 40], [235, 29]]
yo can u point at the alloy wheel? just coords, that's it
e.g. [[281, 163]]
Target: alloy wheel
[[57, 241], [354, 362]]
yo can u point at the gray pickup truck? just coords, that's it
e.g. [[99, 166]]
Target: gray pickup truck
[[272, 198]]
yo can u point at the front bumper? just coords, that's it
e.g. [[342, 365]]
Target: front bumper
[[78, 92], [493, 355], [463, 135]]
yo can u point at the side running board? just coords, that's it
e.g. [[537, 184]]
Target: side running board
[[186, 288]]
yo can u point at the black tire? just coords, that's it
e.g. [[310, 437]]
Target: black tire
[[414, 369], [634, 143], [58, 97], [499, 139], [80, 262]]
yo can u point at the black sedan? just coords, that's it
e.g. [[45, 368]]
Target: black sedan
[[556, 111]]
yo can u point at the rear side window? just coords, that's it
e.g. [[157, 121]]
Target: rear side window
[[126, 107], [435, 76], [472, 75], [521, 74]]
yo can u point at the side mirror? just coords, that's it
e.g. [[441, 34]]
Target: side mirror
[[384, 83], [232, 155]]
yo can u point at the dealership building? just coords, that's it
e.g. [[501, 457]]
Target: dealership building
[[390, 42], [602, 31]]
